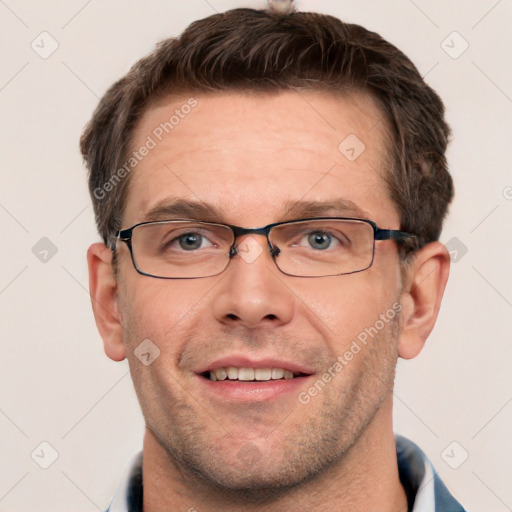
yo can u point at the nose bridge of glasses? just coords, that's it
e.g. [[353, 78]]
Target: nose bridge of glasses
[[263, 231]]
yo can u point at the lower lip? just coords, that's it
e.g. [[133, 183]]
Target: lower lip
[[258, 391]]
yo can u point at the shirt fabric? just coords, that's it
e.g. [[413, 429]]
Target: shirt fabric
[[424, 489]]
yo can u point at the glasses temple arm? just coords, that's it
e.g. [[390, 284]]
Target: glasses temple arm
[[392, 234]]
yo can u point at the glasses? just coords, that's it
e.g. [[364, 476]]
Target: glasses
[[318, 247]]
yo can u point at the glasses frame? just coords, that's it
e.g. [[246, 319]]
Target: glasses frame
[[125, 235]]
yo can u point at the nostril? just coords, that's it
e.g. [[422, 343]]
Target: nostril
[[270, 317]]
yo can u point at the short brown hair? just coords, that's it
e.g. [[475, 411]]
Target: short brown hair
[[260, 50]]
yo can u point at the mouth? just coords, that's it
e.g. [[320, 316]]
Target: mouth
[[243, 379], [233, 373]]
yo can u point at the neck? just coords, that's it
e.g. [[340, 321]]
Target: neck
[[365, 479]]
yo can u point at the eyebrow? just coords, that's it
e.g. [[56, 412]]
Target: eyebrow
[[337, 207], [169, 209]]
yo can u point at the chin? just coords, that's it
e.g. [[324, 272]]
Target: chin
[[247, 475], [260, 483]]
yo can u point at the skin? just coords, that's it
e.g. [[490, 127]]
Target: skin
[[247, 154]]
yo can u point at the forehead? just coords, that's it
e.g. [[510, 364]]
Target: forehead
[[252, 155]]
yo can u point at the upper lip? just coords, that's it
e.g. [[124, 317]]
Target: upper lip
[[240, 361]]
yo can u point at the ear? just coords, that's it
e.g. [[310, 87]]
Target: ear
[[103, 291], [421, 298]]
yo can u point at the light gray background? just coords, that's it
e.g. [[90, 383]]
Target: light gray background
[[56, 383]]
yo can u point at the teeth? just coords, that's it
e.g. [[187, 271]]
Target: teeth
[[262, 374], [232, 373], [277, 373], [250, 374], [221, 374], [245, 374]]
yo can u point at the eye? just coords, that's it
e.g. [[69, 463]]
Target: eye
[[317, 238], [320, 240], [190, 242]]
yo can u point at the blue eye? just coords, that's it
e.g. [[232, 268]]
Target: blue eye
[[190, 241], [319, 240]]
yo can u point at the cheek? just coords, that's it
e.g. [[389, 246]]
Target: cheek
[[161, 310], [343, 307]]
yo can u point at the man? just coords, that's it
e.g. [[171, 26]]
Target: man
[[270, 189]]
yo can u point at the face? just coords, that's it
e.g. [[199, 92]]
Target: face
[[251, 160]]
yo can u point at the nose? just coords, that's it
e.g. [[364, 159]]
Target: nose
[[252, 292]]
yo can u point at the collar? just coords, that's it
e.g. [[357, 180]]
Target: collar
[[424, 489], [128, 496]]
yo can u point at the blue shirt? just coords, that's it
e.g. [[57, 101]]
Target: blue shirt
[[424, 489]]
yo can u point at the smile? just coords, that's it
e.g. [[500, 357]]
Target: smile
[[250, 374], [239, 377]]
